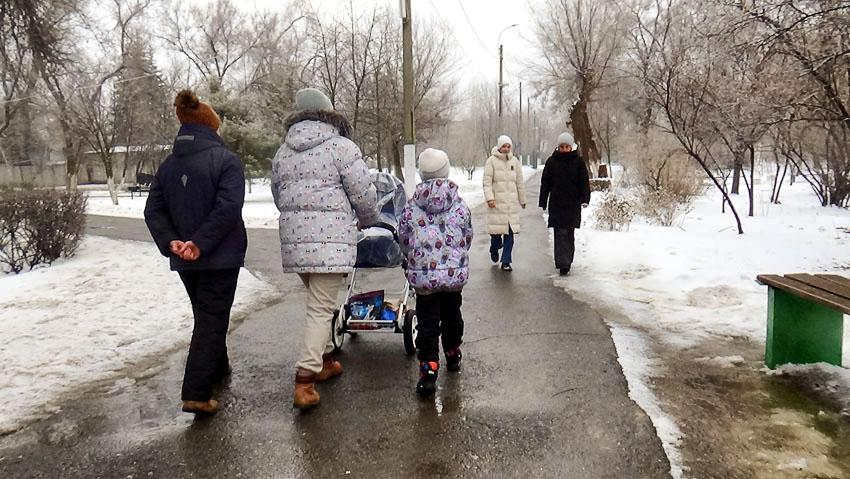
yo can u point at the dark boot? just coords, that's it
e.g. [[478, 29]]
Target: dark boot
[[453, 358], [564, 271], [427, 384], [506, 267]]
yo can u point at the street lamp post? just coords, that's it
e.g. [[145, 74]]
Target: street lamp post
[[501, 84]]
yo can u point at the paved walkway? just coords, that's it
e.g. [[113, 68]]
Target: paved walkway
[[541, 394]]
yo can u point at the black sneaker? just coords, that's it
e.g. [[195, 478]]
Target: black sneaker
[[494, 256], [564, 271], [507, 267], [453, 358], [427, 384]]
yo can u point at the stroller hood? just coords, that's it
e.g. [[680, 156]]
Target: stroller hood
[[436, 196], [377, 246]]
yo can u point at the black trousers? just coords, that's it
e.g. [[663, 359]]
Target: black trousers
[[211, 293], [565, 247], [439, 316]]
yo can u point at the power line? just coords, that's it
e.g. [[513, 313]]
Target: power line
[[474, 32], [85, 87], [451, 30]]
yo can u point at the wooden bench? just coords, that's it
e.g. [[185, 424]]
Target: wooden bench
[[805, 316]]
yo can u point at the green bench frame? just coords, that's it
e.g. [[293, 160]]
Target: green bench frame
[[805, 318]]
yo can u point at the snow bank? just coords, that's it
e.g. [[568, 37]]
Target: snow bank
[[696, 281], [107, 310]]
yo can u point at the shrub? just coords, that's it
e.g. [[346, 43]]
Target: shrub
[[614, 212], [663, 206], [600, 184], [39, 226]]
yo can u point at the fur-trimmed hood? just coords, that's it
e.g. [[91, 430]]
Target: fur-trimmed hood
[[325, 116]]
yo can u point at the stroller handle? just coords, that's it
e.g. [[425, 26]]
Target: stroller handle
[[388, 227]]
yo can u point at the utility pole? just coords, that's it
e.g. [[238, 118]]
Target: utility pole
[[519, 133], [501, 85], [407, 66], [378, 114]]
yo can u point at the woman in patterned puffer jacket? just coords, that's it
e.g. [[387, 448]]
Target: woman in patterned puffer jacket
[[435, 231], [319, 183]]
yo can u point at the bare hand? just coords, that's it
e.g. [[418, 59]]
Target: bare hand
[[491, 204], [584, 205], [523, 205], [177, 247], [191, 252]]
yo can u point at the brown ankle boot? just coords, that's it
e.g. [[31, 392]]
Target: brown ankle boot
[[330, 369], [305, 395], [201, 408]]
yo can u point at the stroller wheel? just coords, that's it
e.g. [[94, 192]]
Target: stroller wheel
[[337, 331], [409, 331]]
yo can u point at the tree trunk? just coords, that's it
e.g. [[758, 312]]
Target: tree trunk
[[580, 123], [752, 186], [396, 158], [113, 192], [779, 184], [736, 175]]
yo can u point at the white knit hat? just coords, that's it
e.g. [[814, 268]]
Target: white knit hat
[[504, 139], [433, 163], [567, 139]]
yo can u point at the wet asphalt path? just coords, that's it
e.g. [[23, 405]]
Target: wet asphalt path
[[541, 394]]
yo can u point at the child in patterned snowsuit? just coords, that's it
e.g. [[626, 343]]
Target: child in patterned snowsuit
[[436, 233]]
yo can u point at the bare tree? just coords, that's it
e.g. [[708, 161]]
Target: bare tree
[[46, 30], [17, 76], [814, 38], [96, 107], [579, 39], [216, 38], [357, 61], [678, 73]]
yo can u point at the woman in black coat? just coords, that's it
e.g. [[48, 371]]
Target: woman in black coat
[[565, 187]]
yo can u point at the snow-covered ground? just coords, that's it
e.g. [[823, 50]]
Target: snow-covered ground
[[111, 308], [259, 210], [695, 281]]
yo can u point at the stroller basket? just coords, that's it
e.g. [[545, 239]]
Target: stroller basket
[[368, 311]]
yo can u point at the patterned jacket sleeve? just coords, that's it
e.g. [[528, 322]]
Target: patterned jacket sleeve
[[358, 185], [467, 226]]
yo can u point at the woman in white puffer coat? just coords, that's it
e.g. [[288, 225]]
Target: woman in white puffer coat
[[504, 189]]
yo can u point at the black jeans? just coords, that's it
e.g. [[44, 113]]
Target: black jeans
[[438, 315], [211, 293], [565, 247]]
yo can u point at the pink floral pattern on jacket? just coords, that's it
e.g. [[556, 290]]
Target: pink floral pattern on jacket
[[435, 230]]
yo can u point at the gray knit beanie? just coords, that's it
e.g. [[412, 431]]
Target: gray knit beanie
[[433, 163], [312, 99]]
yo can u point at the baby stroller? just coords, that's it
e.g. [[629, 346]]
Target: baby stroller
[[378, 248]]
